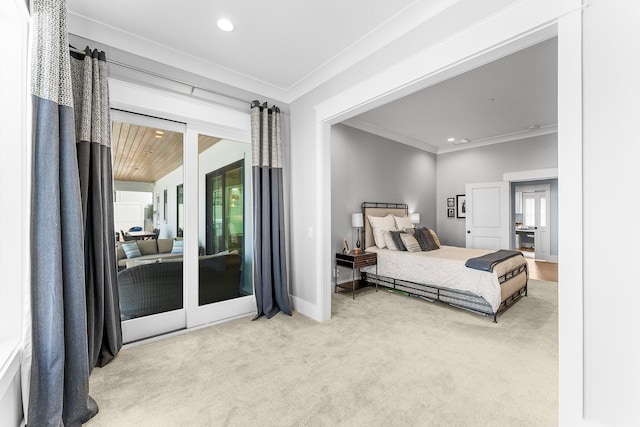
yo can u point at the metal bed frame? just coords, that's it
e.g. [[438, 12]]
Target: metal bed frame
[[453, 297]]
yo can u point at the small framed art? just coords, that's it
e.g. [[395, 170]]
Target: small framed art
[[461, 206], [451, 213], [451, 202]]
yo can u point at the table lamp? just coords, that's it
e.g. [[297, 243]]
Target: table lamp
[[415, 218], [357, 222]]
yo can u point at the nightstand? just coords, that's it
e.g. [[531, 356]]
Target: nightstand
[[355, 261]]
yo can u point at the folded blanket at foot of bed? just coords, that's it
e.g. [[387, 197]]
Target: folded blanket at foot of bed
[[488, 261]]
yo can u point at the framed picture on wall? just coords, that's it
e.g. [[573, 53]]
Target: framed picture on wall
[[451, 202], [461, 206], [451, 213]]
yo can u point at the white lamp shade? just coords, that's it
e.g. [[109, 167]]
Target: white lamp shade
[[356, 220], [415, 218]]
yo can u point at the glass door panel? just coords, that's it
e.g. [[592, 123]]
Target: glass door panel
[[225, 267], [147, 169]]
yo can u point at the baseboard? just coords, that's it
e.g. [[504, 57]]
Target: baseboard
[[305, 308]]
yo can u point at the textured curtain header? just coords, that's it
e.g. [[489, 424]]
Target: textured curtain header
[[91, 97], [50, 73], [266, 141]]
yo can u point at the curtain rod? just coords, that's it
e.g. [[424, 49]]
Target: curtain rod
[[151, 73]]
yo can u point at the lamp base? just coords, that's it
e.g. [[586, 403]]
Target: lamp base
[[356, 250]]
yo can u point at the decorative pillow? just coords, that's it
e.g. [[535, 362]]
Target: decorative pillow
[[393, 241], [178, 245], [380, 224], [165, 246], [147, 247], [403, 222], [425, 239], [410, 242], [435, 237], [131, 249]]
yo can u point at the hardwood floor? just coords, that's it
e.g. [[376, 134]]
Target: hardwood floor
[[542, 270]]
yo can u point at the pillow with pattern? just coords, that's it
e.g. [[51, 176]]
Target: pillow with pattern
[[177, 247], [130, 249], [410, 242]]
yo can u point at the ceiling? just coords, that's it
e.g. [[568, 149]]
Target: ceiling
[[277, 47], [511, 98], [145, 154], [290, 47]]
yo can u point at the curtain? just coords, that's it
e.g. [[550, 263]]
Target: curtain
[[93, 143], [59, 377], [270, 274], [70, 329]]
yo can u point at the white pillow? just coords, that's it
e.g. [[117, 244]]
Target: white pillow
[[403, 222], [380, 224]]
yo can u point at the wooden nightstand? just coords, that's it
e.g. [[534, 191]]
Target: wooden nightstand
[[355, 261]]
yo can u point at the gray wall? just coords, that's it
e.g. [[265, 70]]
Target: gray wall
[[368, 168], [486, 164]]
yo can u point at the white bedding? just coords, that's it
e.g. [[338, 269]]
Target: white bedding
[[444, 267]]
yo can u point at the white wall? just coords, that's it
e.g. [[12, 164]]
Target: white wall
[[611, 89]]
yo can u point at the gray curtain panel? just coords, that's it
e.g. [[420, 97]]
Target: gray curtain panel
[[93, 143], [270, 273], [59, 380]]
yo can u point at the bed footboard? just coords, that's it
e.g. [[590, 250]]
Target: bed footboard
[[513, 286]]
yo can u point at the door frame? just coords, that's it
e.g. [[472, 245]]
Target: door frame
[[525, 23]]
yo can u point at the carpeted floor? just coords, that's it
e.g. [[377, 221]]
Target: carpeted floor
[[382, 360]]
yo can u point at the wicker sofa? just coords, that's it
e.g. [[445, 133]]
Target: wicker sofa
[[149, 249], [156, 287]]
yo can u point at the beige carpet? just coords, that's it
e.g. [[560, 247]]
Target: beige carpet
[[383, 360]]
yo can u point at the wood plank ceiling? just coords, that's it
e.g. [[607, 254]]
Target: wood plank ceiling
[[145, 154]]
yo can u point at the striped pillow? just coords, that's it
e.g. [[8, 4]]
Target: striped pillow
[[131, 249], [410, 242], [177, 247]]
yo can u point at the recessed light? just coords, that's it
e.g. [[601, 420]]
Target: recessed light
[[464, 140], [159, 132], [451, 139], [225, 25]]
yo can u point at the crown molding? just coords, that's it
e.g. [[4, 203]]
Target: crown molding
[[98, 31], [507, 137], [387, 134]]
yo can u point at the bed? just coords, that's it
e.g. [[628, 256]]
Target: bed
[[441, 274]]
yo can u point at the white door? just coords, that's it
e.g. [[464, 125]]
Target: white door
[[536, 215], [487, 224]]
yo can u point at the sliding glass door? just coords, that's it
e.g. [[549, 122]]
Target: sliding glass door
[[225, 275], [147, 167]]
